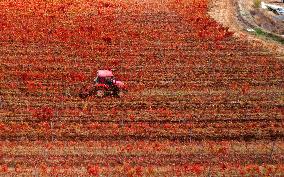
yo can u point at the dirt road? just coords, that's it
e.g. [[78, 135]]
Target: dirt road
[[235, 15]]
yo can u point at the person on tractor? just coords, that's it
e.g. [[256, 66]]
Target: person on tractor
[[110, 81]]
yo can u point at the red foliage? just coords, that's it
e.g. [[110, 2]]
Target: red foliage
[[4, 168], [77, 77], [44, 113], [94, 170], [185, 73]]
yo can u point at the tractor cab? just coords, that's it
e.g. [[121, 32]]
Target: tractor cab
[[104, 77]]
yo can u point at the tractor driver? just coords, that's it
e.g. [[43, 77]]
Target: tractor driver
[[109, 81]]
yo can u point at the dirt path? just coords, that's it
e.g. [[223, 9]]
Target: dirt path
[[233, 14]]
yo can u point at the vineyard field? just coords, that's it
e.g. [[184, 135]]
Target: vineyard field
[[201, 101]]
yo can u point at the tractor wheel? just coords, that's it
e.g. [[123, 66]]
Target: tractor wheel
[[120, 93], [100, 93]]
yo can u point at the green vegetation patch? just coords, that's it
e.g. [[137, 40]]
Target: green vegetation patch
[[260, 32], [256, 3]]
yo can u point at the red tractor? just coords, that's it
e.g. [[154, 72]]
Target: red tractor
[[104, 85]]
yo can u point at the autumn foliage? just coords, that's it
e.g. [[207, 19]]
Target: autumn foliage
[[201, 102]]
